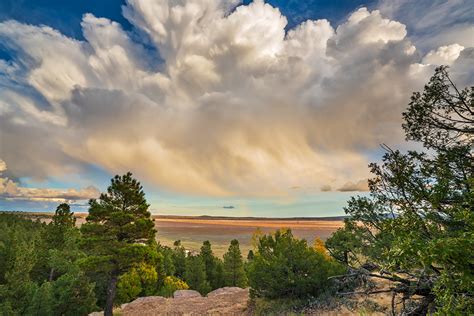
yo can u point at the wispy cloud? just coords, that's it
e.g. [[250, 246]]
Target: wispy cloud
[[434, 23], [224, 103], [359, 186]]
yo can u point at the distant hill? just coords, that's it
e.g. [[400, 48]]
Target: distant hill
[[203, 217]]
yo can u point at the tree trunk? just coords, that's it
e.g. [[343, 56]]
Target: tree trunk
[[51, 275], [111, 290]]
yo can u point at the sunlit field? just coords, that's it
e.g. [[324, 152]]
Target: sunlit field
[[192, 232]]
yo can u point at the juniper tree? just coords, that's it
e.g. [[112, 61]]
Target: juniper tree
[[286, 267], [417, 225], [119, 232]]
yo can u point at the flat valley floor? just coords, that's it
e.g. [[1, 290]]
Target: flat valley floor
[[193, 230]]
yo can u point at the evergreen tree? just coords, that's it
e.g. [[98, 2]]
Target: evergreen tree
[[118, 232], [179, 259], [417, 225], [42, 301], [18, 237], [63, 217], [61, 227], [234, 272], [165, 265], [195, 275], [286, 267], [73, 294], [219, 279], [210, 262]]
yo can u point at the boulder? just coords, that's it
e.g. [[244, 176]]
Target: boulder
[[226, 301], [186, 294], [225, 290]]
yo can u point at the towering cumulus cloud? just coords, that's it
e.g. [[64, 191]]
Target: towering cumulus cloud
[[211, 98]]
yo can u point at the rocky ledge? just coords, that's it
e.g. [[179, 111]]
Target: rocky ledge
[[223, 301]]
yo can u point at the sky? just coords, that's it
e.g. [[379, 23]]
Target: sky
[[229, 108]]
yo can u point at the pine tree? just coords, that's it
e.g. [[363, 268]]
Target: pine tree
[[56, 234], [73, 294], [165, 266], [119, 232], [210, 263], [179, 259], [219, 280], [42, 301], [234, 272], [195, 274]]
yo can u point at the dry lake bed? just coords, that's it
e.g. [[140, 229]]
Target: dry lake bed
[[193, 230]]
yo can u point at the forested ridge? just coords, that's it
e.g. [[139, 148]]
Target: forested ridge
[[415, 230]]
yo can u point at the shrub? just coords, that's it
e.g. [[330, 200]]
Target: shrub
[[139, 281], [171, 284], [286, 267]]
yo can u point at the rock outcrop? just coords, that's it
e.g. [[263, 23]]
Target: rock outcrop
[[223, 301], [186, 293]]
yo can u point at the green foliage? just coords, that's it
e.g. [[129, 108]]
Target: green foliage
[[73, 294], [18, 238], [165, 266], [286, 267], [195, 274], [234, 272], [418, 221], [179, 259], [23, 289], [139, 281], [219, 276], [42, 301], [171, 284], [63, 220], [119, 232], [213, 265]]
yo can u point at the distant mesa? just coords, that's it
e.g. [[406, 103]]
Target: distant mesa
[[229, 206]]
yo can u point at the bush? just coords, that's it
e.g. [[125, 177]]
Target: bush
[[139, 281], [286, 267], [171, 284]]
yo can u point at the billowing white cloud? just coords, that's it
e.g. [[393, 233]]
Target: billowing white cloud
[[10, 190], [205, 98], [444, 55]]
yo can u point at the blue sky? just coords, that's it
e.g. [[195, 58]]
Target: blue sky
[[66, 16], [273, 108]]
